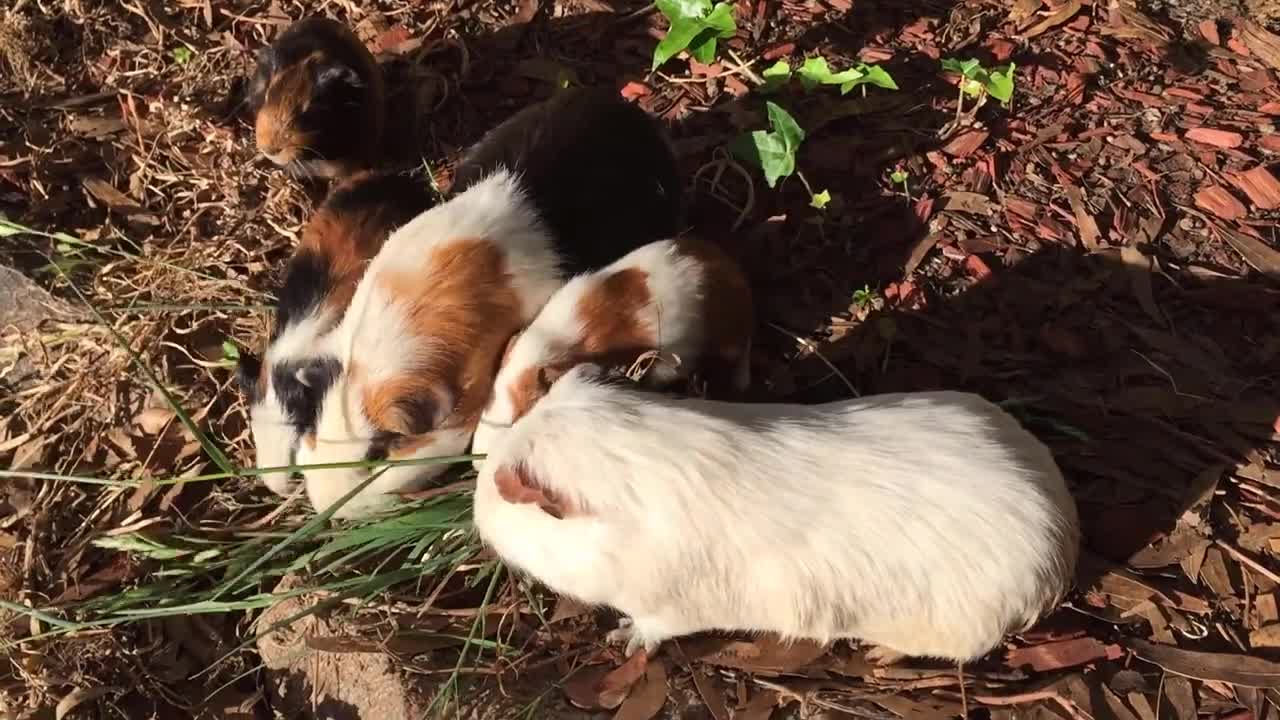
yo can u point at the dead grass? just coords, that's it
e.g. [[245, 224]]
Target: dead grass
[[1151, 370]]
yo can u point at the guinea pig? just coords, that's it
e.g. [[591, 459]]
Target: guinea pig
[[682, 297], [549, 193], [931, 524], [284, 384], [419, 346], [600, 171], [318, 100]]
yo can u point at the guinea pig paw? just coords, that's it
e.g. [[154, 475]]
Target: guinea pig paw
[[883, 656], [635, 637]]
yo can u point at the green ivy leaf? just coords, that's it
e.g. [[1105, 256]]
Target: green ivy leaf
[[899, 176], [876, 75], [773, 151], [775, 76], [1000, 83], [815, 72], [820, 200], [968, 68], [695, 26]]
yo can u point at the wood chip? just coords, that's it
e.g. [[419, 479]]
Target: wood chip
[[1261, 43], [1216, 138], [109, 196], [966, 143], [1216, 200], [1260, 185], [969, 202], [1230, 668]]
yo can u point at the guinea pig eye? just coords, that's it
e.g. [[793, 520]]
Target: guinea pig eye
[[380, 446]]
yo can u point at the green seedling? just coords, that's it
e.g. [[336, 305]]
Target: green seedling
[[978, 82], [865, 298], [181, 54], [903, 178], [696, 25], [820, 200], [774, 150], [816, 72], [230, 352]]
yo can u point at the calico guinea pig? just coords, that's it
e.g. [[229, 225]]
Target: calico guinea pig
[[600, 171], [682, 297], [931, 524], [317, 97], [546, 194], [283, 385]]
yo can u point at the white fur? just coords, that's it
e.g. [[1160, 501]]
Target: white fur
[[275, 438], [676, 287], [931, 524], [376, 333]]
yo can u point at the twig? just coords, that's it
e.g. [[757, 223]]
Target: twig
[[814, 349], [1024, 698], [746, 68], [1246, 560]]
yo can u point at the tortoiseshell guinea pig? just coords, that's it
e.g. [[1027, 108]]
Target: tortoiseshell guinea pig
[[318, 100]]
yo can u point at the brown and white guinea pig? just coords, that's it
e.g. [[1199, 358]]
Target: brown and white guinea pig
[[421, 342], [318, 100], [931, 524], [284, 384], [594, 165], [682, 297]]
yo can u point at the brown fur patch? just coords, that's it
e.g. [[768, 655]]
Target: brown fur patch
[[517, 486], [463, 301], [611, 332], [348, 239], [728, 312]]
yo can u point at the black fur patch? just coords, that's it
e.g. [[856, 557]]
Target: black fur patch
[[402, 196], [598, 169], [299, 386], [248, 371], [306, 281]]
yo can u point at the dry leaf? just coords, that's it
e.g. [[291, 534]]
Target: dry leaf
[[969, 202], [567, 608], [767, 654], [1139, 268], [599, 687], [1260, 41], [1265, 637], [648, 696], [1061, 654], [711, 696], [1256, 253], [1178, 696], [1215, 575], [760, 707], [1088, 227], [1230, 668], [153, 420], [1054, 19], [109, 196], [76, 698], [1116, 705]]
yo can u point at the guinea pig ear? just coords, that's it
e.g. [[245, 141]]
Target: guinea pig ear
[[336, 74], [248, 375], [519, 486], [417, 414]]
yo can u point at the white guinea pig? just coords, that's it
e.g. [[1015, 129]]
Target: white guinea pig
[[681, 297], [930, 524]]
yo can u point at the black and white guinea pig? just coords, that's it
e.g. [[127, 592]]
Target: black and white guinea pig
[[346, 231], [931, 523], [599, 170], [567, 186], [318, 100]]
